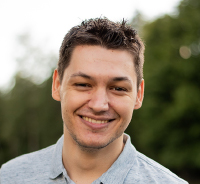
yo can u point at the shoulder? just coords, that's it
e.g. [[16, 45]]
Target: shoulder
[[146, 170], [27, 165]]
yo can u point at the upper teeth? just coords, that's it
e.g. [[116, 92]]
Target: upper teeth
[[94, 121]]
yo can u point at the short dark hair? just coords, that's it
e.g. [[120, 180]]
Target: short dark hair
[[105, 33]]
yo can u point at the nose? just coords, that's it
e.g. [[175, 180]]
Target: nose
[[99, 101]]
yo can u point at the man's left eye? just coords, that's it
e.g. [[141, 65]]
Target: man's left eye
[[118, 88]]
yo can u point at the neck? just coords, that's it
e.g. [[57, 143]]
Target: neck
[[88, 163]]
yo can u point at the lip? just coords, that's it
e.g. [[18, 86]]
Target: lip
[[95, 125]]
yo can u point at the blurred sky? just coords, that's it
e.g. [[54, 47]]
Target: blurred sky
[[49, 20]]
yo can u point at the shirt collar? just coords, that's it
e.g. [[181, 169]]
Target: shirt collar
[[115, 174], [57, 165], [120, 168]]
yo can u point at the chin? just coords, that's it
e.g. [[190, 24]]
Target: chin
[[92, 145]]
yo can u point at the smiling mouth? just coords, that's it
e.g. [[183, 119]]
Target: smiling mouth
[[95, 121]]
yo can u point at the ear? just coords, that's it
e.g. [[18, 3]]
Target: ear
[[140, 95], [56, 86]]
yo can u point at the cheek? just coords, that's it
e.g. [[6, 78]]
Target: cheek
[[124, 107], [71, 101], [126, 115], [127, 111]]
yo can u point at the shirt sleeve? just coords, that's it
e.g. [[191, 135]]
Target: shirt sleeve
[[0, 175]]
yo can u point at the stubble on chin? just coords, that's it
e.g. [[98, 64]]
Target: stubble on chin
[[87, 147], [92, 148]]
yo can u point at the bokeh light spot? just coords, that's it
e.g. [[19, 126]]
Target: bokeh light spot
[[185, 52]]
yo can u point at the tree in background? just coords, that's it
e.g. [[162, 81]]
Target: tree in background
[[167, 127], [29, 118]]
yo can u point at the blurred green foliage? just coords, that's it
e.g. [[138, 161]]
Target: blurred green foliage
[[30, 119], [166, 128]]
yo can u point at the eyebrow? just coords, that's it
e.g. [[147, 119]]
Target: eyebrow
[[80, 74], [115, 79], [118, 79]]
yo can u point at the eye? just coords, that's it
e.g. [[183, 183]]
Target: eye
[[122, 89], [82, 85]]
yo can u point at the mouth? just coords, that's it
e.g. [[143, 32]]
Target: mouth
[[95, 121]]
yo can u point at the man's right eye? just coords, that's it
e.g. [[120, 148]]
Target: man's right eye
[[82, 85]]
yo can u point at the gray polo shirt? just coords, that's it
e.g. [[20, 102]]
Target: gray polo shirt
[[45, 166]]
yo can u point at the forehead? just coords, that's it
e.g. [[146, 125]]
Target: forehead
[[97, 60]]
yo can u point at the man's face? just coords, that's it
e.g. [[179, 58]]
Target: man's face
[[98, 94]]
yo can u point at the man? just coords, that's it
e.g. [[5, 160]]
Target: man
[[99, 82]]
